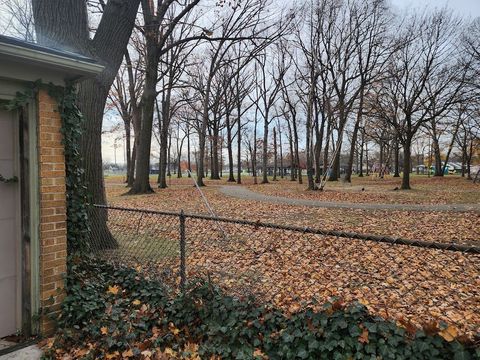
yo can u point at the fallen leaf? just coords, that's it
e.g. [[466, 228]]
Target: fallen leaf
[[127, 353], [449, 334], [363, 338], [113, 289]]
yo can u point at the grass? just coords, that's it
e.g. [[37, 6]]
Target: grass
[[145, 246]]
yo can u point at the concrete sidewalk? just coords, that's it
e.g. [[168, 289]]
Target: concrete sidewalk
[[31, 352]]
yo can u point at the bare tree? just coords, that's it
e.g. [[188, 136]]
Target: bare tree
[[16, 18], [424, 78], [159, 23], [272, 70]]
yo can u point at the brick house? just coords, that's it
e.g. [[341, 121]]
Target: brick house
[[32, 185]]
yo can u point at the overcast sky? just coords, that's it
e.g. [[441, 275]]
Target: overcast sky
[[462, 7]]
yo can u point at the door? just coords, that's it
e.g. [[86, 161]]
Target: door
[[9, 226]]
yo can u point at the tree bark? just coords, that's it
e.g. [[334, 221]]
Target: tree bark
[[215, 168], [397, 158], [64, 24], [265, 150], [406, 164], [231, 178], [275, 163], [292, 153], [353, 145], [141, 185], [281, 152], [189, 163], [239, 144], [438, 158]]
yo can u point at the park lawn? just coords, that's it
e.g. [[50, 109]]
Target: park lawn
[[295, 267], [451, 189], [181, 195]]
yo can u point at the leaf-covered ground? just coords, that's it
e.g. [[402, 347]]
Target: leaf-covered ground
[[435, 190], [417, 285], [429, 226]]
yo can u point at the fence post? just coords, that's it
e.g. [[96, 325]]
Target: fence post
[[182, 252]]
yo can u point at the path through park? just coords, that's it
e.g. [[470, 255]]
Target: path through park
[[241, 192]]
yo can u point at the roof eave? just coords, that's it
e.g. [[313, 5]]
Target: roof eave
[[77, 68]]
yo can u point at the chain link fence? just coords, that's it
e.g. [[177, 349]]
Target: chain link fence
[[416, 283]]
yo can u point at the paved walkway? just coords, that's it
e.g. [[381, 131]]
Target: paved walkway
[[27, 353], [242, 192]]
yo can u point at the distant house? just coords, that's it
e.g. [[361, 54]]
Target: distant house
[[33, 243]]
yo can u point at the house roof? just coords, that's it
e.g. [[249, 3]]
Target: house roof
[[65, 63]]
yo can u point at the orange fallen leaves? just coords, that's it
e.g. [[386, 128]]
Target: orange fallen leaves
[[114, 289], [450, 333], [289, 269], [363, 338]]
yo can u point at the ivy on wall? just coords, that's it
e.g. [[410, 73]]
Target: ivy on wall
[[77, 196], [72, 121]]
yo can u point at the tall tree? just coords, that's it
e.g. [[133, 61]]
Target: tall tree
[[64, 24], [425, 78]]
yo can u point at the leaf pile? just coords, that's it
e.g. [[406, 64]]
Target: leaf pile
[[116, 313]]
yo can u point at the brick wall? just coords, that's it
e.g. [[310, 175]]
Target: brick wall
[[53, 240]]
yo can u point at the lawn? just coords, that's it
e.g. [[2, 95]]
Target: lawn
[[431, 226], [434, 190], [415, 285]]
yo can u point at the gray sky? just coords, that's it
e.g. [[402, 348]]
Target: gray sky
[[462, 7]]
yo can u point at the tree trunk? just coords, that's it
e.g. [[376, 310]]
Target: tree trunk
[[189, 163], [202, 134], [131, 174], [353, 145], [141, 185], [308, 128], [438, 158], [326, 149], [281, 152], [360, 173], [162, 168], [265, 150], [128, 150], [319, 129], [64, 24], [231, 178], [366, 158], [239, 146], [275, 163], [215, 168], [406, 164], [292, 156], [254, 157], [335, 171], [397, 158], [169, 147], [297, 154]]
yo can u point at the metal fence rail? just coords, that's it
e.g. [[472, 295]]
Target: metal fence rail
[[412, 281]]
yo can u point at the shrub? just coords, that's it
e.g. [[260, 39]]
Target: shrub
[[116, 312]]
